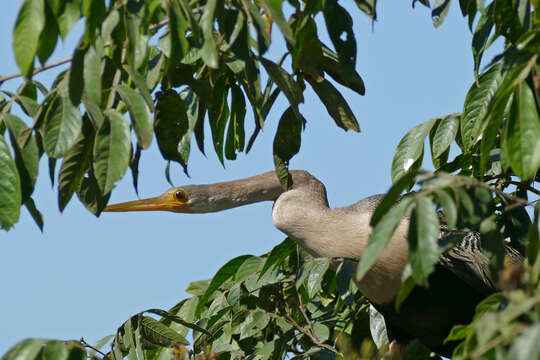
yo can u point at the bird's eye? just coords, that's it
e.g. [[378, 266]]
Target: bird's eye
[[181, 195]]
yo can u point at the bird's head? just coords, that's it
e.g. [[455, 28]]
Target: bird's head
[[186, 199]]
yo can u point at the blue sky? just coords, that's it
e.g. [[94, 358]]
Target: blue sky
[[84, 275]]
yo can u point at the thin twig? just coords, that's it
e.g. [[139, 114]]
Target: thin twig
[[87, 345]]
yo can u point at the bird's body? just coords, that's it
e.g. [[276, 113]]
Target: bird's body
[[460, 280]]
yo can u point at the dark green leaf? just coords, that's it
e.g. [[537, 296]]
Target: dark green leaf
[[339, 24], [449, 208], [92, 71], [139, 113], [423, 236], [381, 235], [218, 114], [477, 104], [287, 144], [391, 198], [34, 212], [278, 254], [160, 334], [74, 165], [311, 275], [49, 36], [170, 125], [235, 132], [223, 274], [273, 8], [28, 26], [94, 12], [77, 75], [111, 151], [330, 64], [481, 34], [10, 188], [522, 133], [285, 82], [62, 125], [254, 323], [410, 149], [368, 7], [90, 195], [177, 35], [209, 50], [335, 104]]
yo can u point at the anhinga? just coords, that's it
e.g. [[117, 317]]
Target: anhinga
[[460, 280]]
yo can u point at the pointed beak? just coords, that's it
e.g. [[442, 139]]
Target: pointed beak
[[165, 202]]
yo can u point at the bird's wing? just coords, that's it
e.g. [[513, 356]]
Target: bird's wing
[[467, 261]]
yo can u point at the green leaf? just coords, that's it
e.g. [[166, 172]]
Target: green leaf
[[285, 83], [177, 33], [171, 124], [69, 16], [449, 208], [381, 235], [410, 149], [278, 254], [368, 7], [223, 274], [209, 50], [28, 26], [92, 71], [55, 349], [340, 28], [522, 133], [10, 188], [111, 151], [160, 334], [330, 65], [94, 13], [311, 275], [26, 349], [423, 236], [218, 115], [74, 165], [27, 154], [273, 8], [444, 133], [481, 34], [34, 212], [287, 144], [235, 132], [62, 125], [391, 198], [254, 323], [335, 104], [48, 37], [77, 75], [477, 105], [440, 9], [136, 49], [526, 345], [248, 268], [139, 113]]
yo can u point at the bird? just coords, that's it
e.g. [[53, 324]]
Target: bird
[[460, 280]]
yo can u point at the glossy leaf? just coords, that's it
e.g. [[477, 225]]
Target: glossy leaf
[[77, 75], [285, 82], [177, 36], [477, 104], [62, 126], [423, 235], [92, 71], [311, 275], [522, 133], [335, 104], [444, 133], [410, 149], [278, 254], [330, 65], [381, 235], [28, 26], [139, 114], [111, 151], [10, 188], [26, 349], [34, 213], [49, 36]]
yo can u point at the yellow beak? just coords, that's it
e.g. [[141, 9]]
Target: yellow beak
[[165, 202]]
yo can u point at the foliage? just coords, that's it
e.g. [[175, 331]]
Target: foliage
[[208, 59]]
